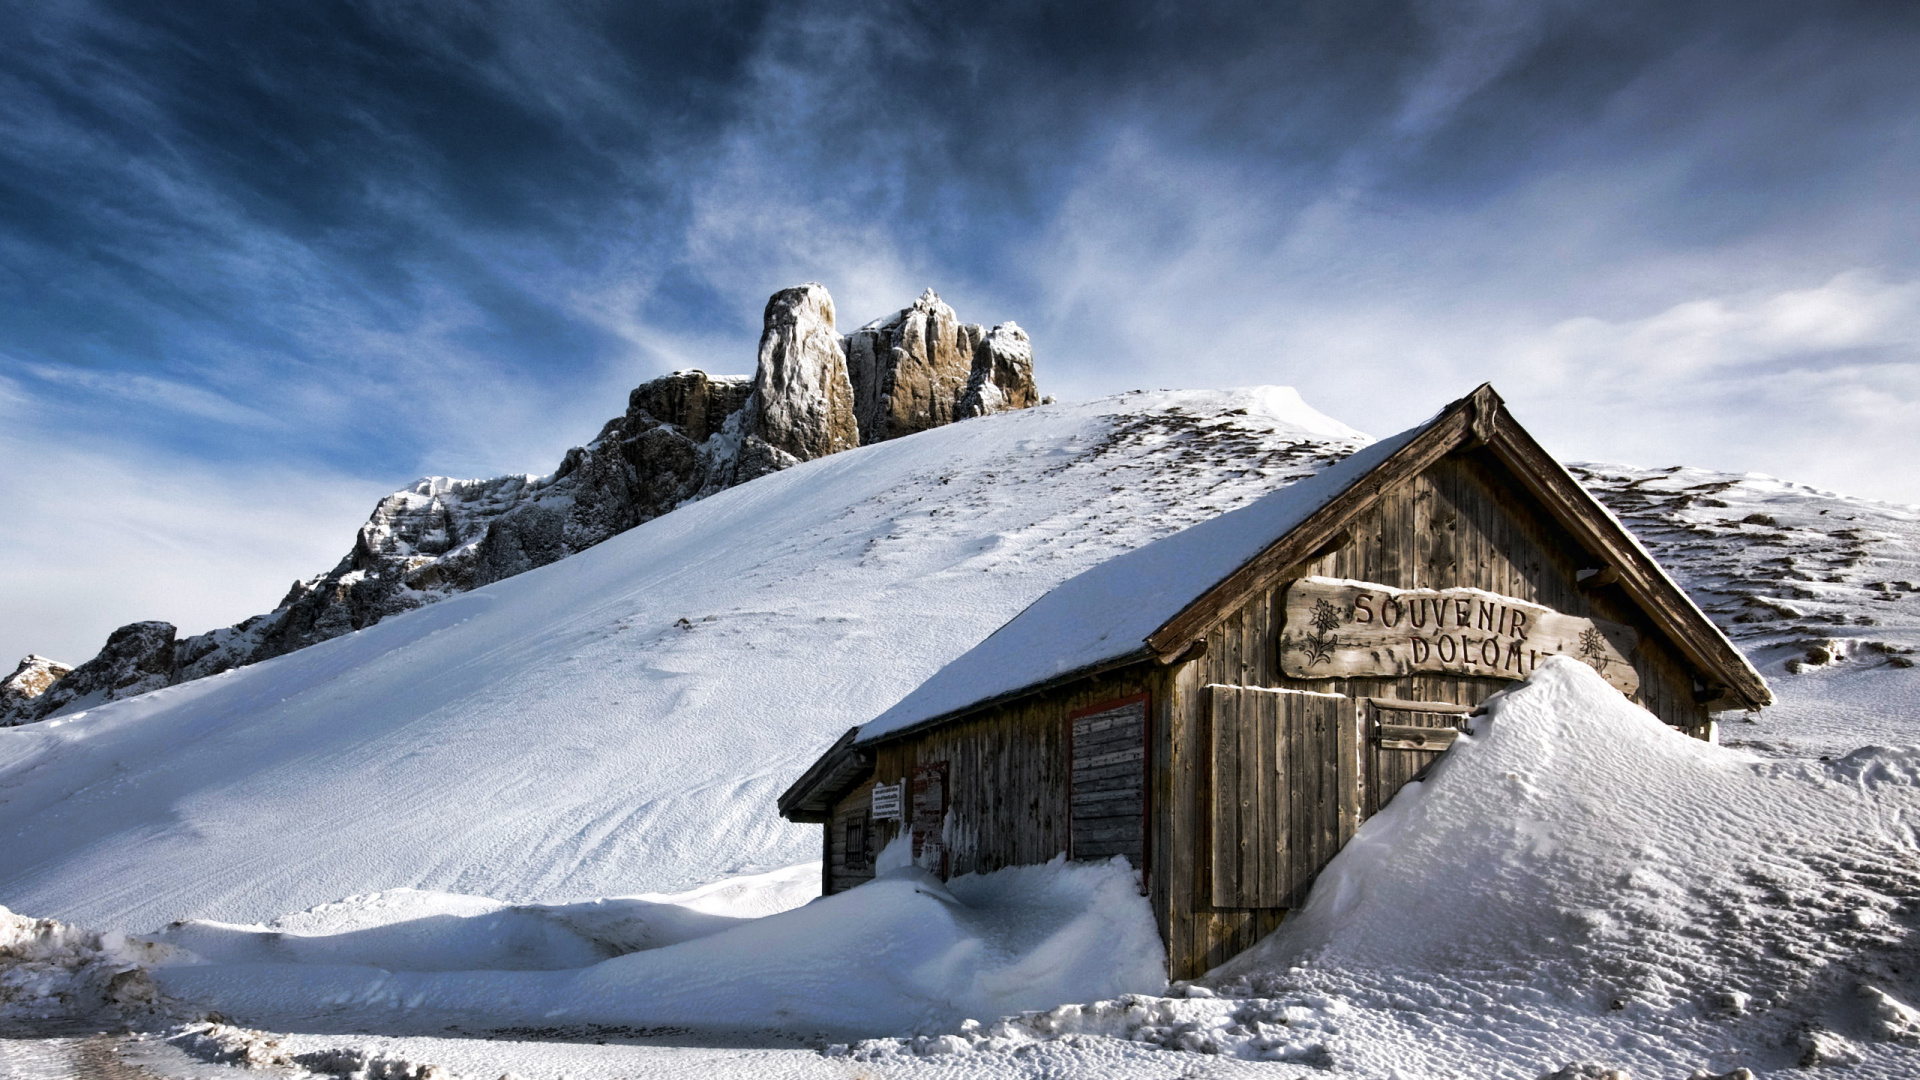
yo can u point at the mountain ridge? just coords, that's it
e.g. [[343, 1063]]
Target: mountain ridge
[[684, 436]]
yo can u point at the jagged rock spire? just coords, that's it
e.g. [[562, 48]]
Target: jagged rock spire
[[802, 400]]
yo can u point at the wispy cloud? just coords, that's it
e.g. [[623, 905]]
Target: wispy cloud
[[98, 538], [381, 240]]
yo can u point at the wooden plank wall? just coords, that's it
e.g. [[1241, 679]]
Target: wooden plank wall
[[1285, 791], [838, 875], [1462, 523], [1389, 770], [1107, 796], [1008, 774]]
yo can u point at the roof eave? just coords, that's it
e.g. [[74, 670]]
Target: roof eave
[[840, 769], [1087, 671], [1649, 586]]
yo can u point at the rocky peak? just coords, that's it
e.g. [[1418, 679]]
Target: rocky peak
[[1002, 376], [922, 367], [693, 401], [29, 680], [683, 437], [137, 658], [802, 399]]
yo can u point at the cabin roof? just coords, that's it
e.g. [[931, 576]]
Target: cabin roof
[[1103, 616], [1154, 601]]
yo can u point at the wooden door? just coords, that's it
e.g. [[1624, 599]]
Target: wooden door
[[1285, 789], [1107, 785], [1403, 739]]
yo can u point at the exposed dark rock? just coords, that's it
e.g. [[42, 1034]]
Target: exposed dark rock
[[28, 681], [138, 657], [1002, 376]]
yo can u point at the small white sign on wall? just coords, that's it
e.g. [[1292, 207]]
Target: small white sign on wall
[[886, 802]]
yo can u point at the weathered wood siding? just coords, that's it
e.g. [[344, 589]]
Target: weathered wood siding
[[1462, 523], [1386, 769], [1007, 773], [1285, 791], [840, 873], [1107, 787]]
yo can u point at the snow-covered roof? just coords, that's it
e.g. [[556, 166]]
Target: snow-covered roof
[[1105, 615]]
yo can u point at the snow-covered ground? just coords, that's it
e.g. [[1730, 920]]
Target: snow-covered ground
[[520, 792]]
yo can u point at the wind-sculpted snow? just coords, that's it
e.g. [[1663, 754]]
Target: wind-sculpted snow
[[1574, 891], [904, 953], [620, 721], [1822, 590], [1573, 884]]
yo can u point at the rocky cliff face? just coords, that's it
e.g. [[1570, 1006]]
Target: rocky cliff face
[[802, 399], [684, 436], [29, 681], [922, 368], [137, 658]]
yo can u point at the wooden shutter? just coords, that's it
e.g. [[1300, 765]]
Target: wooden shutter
[[1403, 738], [1285, 790], [1107, 786], [858, 828], [929, 816]]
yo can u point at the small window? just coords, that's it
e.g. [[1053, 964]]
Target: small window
[[856, 849]]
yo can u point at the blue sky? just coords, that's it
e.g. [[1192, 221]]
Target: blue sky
[[262, 263]]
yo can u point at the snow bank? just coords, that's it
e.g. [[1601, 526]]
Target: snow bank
[[417, 930], [1652, 868], [1578, 882], [52, 971], [900, 954], [1574, 887]]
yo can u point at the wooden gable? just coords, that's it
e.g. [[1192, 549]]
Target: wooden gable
[[1500, 480]]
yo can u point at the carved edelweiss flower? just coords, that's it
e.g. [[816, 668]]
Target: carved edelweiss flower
[[1319, 644], [1593, 647], [1325, 616]]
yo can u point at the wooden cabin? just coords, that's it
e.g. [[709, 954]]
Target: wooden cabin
[[1226, 705]]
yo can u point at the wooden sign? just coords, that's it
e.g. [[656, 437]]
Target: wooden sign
[[1339, 629]]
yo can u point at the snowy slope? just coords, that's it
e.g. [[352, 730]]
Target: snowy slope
[[1822, 590], [1573, 883], [620, 721]]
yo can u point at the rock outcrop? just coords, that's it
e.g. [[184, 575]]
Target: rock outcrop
[[137, 658], [683, 437], [665, 450], [802, 400], [29, 680], [922, 368]]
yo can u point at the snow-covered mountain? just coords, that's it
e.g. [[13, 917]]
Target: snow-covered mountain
[[621, 720], [683, 437]]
